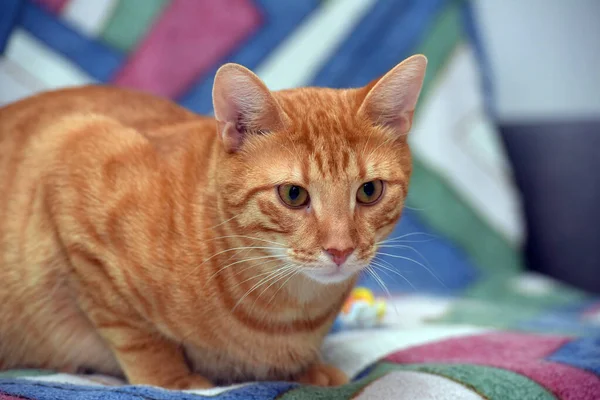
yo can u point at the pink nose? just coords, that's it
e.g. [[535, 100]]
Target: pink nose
[[339, 256]]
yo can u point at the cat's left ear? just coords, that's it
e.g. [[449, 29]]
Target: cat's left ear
[[392, 99], [242, 104]]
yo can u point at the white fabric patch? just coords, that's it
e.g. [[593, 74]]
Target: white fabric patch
[[16, 83], [89, 17], [454, 136], [533, 284], [414, 310], [353, 351], [44, 64], [410, 385], [217, 390], [297, 60], [66, 379]]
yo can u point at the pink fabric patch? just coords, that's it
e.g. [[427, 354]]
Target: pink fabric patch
[[54, 6], [189, 38], [7, 397], [592, 311], [517, 352]]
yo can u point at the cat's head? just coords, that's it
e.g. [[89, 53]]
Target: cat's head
[[320, 175]]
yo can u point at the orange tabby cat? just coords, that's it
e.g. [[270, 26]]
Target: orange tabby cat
[[138, 238]]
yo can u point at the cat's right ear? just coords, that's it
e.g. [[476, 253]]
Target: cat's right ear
[[242, 104]]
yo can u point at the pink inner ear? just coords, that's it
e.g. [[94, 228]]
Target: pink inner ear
[[230, 134], [242, 104]]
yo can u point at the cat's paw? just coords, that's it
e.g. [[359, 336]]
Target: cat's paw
[[191, 381], [323, 375]]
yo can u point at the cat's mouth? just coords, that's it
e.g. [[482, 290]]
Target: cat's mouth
[[324, 270], [330, 274]]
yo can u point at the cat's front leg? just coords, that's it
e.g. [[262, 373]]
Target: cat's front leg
[[323, 375], [146, 357], [150, 359]]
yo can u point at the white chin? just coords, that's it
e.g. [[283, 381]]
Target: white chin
[[328, 278]]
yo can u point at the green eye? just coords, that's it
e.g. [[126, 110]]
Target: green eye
[[370, 192], [293, 196]]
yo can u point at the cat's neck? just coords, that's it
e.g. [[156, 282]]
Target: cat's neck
[[306, 290]]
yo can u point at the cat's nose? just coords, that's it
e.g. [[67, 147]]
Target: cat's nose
[[339, 256]]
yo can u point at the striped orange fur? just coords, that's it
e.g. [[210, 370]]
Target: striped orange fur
[[140, 239]]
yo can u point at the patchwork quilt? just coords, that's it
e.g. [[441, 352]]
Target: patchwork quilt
[[543, 344], [462, 321]]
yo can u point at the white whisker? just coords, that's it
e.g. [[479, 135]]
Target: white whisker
[[414, 208], [403, 246], [416, 262], [194, 270], [381, 283], [276, 273], [243, 261], [394, 239], [290, 272], [383, 267], [248, 237], [289, 267], [398, 241], [297, 271], [256, 275], [224, 222]]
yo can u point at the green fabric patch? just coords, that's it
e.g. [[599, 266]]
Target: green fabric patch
[[497, 302], [131, 19], [505, 290], [473, 312], [492, 383], [449, 215], [439, 43], [337, 393], [22, 373], [446, 212]]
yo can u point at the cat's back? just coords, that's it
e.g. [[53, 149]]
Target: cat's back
[[30, 128], [134, 109]]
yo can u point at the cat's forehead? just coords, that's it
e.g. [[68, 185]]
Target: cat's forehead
[[323, 126], [325, 140], [314, 108], [321, 117]]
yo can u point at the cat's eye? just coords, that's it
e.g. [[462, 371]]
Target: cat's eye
[[370, 192], [293, 196]]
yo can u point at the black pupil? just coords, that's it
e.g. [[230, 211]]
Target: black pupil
[[294, 193], [369, 189]]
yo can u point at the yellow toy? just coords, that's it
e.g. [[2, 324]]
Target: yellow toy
[[362, 310]]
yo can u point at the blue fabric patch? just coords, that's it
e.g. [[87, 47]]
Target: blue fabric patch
[[365, 372], [385, 36], [438, 266], [55, 391], [280, 18], [336, 327], [359, 44], [559, 322], [400, 41], [579, 307], [9, 15], [581, 353], [96, 59]]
